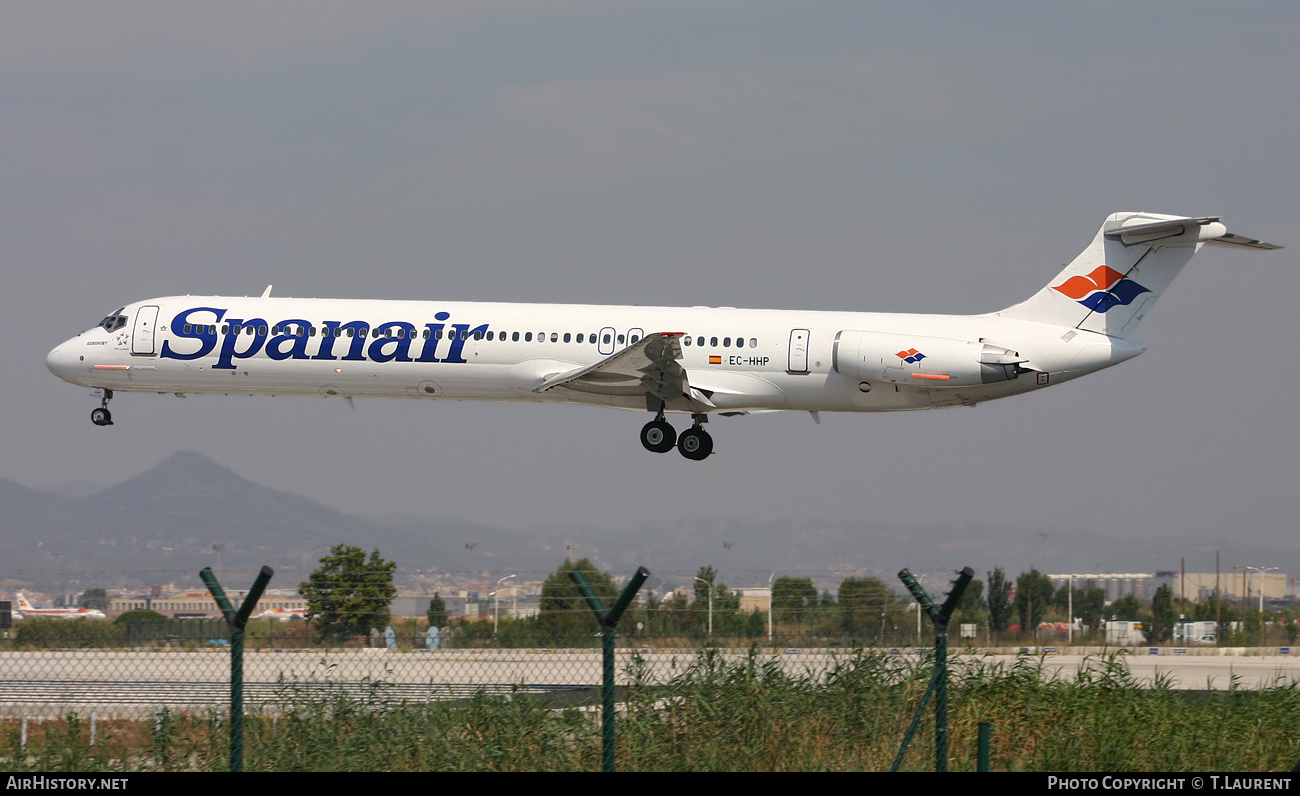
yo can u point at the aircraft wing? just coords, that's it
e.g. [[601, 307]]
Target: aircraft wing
[[647, 367]]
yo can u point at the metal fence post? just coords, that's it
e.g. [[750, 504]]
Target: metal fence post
[[982, 750], [237, 621], [940, 616], [608, 621]]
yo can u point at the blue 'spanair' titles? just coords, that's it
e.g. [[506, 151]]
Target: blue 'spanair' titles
[[242, 338]]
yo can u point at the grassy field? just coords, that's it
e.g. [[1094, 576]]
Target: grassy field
[[723, 715]]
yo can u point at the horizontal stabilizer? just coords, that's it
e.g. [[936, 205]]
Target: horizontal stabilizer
[[1131, 234], [1114, 282], [1231, 241]]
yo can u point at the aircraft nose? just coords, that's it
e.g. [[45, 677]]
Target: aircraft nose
[[61, 361]]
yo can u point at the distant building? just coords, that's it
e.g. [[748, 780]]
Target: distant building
[[754, 601], [198, 603], [1195, 586]]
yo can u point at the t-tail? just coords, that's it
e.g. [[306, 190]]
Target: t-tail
[[1112, 284]]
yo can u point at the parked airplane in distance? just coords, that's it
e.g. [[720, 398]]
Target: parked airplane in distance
[[283, 614], [31, 612], [698, 361]]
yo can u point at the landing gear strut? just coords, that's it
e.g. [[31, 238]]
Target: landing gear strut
[[695, 443], [101, 416], [658, 436]]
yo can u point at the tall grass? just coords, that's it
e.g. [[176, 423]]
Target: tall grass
[[724, 713]]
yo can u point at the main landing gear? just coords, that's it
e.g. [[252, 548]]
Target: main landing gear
[[659, 437], [101, 416]]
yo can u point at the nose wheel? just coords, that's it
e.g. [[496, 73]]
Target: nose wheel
[[101, 416]]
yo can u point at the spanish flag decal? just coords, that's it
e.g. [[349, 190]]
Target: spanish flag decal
[[715, 360]]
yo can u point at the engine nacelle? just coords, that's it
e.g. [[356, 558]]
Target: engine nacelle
[[921, 361]]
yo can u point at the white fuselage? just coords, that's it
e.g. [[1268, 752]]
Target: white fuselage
[[744, 360]]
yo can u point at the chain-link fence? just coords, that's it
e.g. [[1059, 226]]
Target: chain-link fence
[[703, 682], [161, 702]]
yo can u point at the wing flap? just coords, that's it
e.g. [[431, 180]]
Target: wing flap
[[647, 367]]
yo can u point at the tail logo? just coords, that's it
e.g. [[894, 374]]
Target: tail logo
[[911, 356], [1102, 289]]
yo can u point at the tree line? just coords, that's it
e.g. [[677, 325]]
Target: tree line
[[349, 595]]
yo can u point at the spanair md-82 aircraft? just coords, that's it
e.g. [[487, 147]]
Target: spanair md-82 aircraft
[[698, 361]]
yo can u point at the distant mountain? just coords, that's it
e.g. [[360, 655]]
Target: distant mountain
[[162, 525]]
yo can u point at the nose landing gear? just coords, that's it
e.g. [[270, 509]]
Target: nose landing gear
[[101, 416]]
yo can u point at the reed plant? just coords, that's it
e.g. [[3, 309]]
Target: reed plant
[[725, 712]]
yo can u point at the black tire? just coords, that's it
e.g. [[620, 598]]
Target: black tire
[[658, 436], [695, 444], [101, 417]]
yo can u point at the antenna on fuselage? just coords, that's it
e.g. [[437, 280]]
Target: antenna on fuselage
[[267, 293]]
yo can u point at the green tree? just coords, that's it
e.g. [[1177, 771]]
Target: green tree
[[563, 612], [1126, 608], [1088, 604], [726, 603], [1034, 593], [95, 598], [437, 613], [999, 601], [139, 615], [1163, 615], [865, 606], [972, 600], [793, 599], [349, 594]]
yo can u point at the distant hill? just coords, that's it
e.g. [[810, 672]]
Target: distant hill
[[161, 526]]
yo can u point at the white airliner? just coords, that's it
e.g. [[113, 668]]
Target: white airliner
[[31, 612], [698, 361], [283, 614]]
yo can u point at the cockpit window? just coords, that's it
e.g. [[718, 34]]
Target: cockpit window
[[114, 322]]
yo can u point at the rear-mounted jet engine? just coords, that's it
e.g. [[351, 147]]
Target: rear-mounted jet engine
[[923, 361]]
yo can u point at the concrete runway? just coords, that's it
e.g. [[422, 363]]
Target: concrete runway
[[133, 683]]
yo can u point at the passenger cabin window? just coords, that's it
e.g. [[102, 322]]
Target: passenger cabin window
[[686, 340], [713, 341]]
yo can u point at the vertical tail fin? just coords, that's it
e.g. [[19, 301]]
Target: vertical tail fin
[[1112, 284]]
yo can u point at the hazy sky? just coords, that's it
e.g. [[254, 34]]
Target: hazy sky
[[944, 157]]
